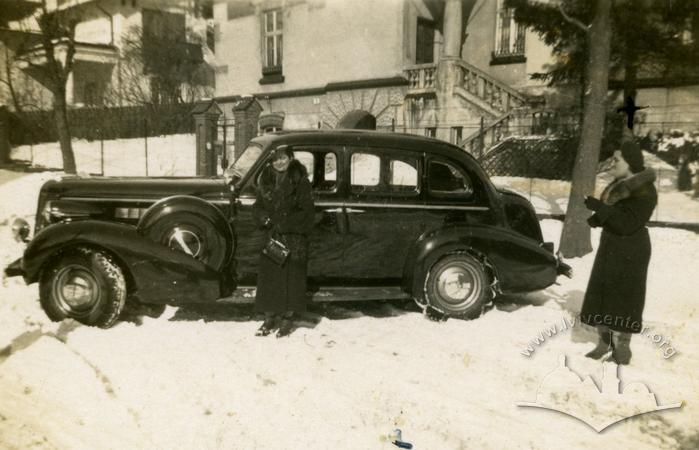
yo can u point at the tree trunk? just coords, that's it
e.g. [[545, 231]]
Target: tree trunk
[[575, 238], [60, 111], [5, 147]]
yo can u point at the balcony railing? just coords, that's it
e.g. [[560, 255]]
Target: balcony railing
[[497, 95], [421, 78]]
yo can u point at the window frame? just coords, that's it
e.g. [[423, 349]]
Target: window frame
[[318, 152], [276, 33], [422, 25], [385, 157], [507, 29], [472, 198]]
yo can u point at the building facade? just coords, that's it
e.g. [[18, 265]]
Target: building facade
[[108, 36], [437, 67]]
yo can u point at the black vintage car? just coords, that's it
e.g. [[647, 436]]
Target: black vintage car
[[396, 216]]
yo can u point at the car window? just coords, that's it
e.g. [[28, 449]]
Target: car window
[[403, 173], [330, 165], [446, 178], [365, 170], [388, 173], [306, 158]]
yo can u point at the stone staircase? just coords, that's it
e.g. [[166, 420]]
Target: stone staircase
[[503, 110]]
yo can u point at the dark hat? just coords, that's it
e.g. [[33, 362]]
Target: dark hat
[[282, 150], [632, 155]]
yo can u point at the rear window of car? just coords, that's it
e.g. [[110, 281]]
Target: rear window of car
[[445, 179]]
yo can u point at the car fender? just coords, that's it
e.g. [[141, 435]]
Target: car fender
[[521, 264], [156, 273]]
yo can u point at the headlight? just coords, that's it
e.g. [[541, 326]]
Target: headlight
[[46, 213], [20, 230]]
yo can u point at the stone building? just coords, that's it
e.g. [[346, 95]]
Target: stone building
[[458, 70], [102, 75], [443, 68]]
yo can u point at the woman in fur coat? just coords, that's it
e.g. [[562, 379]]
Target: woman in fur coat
[[284, 206], [616, 292]]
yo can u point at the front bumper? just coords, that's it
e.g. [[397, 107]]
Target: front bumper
[[563, 268], [14, 269]]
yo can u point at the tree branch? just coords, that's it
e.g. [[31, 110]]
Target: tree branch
[[573, 20]]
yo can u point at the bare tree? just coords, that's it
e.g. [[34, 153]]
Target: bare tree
[[56, 32], [156, 71], [575, 237]]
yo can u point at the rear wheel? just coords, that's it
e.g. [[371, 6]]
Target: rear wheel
[[457, 285], [85, 285]]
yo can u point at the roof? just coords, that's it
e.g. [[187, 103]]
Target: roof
[[367, 138]]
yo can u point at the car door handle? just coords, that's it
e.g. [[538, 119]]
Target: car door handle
[[352, 210], [333, 210]]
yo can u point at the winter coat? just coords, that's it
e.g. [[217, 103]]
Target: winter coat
[[684, 177], [284, 206], [616, 292]]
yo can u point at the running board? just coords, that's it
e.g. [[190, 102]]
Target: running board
[[246, 294]]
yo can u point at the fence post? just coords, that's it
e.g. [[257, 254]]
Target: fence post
[[481, 138], [224, 151], [145, 139], [101, 151], [657, 205]]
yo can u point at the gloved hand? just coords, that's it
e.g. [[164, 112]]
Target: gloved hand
[[593, 221], [593, 204]]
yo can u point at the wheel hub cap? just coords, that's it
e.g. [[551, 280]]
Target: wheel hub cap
[[76, 289], [185, 241], [457, 285]]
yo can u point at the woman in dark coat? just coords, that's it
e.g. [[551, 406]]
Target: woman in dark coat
[[284, 206], [616, 291]]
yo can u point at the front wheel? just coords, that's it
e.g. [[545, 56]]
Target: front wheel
[[85, 285], [457, 286]]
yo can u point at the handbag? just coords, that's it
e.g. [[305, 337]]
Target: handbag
[[276, 251]]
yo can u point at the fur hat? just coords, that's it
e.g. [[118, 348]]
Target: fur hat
[[633, 156]]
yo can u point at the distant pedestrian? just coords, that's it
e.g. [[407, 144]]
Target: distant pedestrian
[[684, 174], [284, 207], [616, 292]]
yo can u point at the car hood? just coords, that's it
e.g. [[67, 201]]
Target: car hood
[[134, 187]]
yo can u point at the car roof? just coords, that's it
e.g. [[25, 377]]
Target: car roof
[[368, 138]]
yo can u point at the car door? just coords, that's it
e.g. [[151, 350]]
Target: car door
[[383, 212], [326, 239]]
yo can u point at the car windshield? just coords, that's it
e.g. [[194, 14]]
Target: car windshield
[[243, 164]]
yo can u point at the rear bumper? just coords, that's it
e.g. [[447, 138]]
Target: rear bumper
[[14, 269]]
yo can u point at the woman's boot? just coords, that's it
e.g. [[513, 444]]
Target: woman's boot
[[621, 350], [270, 323], [604, 345], [287, 325]]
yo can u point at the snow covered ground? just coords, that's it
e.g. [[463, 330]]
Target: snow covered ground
[[197, 377]]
